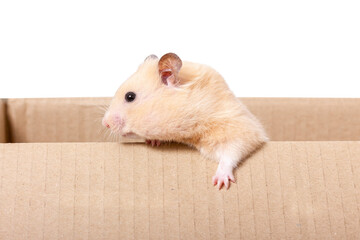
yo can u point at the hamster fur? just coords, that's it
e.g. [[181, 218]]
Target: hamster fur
[[188, 103]]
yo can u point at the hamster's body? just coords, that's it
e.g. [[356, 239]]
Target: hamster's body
[[191, 104]]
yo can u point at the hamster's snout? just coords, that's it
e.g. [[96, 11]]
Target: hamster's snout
[[104, 123], [113, 121]]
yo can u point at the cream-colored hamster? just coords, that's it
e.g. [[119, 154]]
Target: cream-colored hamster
[[170, 100]]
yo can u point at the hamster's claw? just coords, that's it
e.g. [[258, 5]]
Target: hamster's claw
[[223, 178], [153, 142]]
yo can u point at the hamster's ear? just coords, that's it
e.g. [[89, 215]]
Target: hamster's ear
[[169, 67], [152, 56]]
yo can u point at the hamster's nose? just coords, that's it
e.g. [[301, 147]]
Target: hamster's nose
[[113, 121], [104, 123]]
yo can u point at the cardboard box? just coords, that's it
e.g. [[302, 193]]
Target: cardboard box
[[66, 181]]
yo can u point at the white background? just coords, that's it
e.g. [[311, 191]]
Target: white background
[[262, 48]]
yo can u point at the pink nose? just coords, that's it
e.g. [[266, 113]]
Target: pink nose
[[105, 124], [113, 120]]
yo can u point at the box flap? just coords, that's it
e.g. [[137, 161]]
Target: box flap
[[297, 190], [59, 120], [56, 120], [308, 119], [3, 130]]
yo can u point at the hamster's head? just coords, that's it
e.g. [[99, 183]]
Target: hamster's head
[[139, 97]]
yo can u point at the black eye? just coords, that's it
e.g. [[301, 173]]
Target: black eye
[[130, 96]]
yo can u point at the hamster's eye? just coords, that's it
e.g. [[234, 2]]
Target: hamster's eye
[[130, 96]]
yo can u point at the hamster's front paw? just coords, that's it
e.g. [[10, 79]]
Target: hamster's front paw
[[223, 177], [153, 142]]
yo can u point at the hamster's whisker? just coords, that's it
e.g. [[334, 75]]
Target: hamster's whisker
[[102, 130], [111, 136], [103, 107], [105, 135]]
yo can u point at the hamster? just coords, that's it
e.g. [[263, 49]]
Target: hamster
[[167, 99]]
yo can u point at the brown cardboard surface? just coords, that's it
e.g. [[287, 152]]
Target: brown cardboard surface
[[3, 137], [308, 119], [285, 119], [56, 119], [287, 190]]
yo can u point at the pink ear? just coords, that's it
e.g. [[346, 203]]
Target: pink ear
[[169, 67]]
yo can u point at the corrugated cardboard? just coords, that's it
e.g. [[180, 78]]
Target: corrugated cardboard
[[286, 190], [308, 119], [285, 119], [295, 190], [57, 120]]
